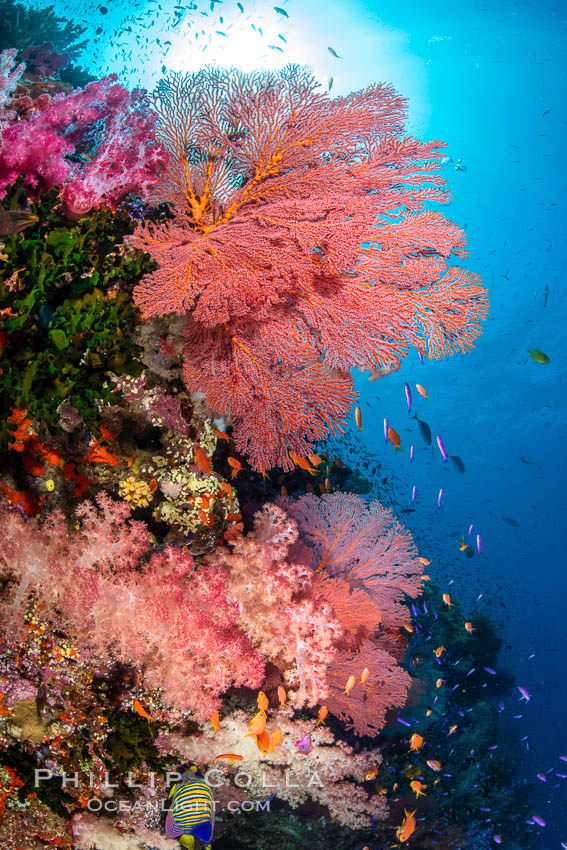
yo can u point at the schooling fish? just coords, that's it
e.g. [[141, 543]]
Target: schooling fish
[[191, 812], [304, 746], [358, 417], [457, 463], [411, 453], [413, 494], [386, 429], [408, 396], [478, 544], [333, 53], [442, 449], [424, 430], [421, 390], [440, 498], [538, 356]]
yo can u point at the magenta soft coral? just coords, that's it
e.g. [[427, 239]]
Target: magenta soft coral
[[167, 618], [105, 126]]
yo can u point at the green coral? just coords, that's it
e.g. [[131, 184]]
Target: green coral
[[66, 290]]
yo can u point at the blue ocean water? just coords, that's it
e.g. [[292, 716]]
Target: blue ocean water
[[488, 78]]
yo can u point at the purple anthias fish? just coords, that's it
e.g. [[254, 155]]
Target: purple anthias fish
[[478, 544], [563, 758], [538, 820], [490, 670], [440, 498], [442, 449], [411, 453], [541, 777], [471, 526], [413, 494], [304, 746], [408, 396], [403, 722], [524, 694], [420, 357], [386, 427], [497, 839]]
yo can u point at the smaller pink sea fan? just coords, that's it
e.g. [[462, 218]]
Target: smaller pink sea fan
[[363, 544]]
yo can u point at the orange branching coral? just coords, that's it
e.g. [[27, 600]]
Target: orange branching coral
[[299, 248]]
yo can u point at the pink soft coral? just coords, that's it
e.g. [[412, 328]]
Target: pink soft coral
[[166, 617], [277, 612], [124, 158]]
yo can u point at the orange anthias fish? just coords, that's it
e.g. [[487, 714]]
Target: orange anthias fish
[[407, 829], [453, 729], [462, 545], [276, 738], [201, 460], [434, 765], [424, 562], [394, 438], [418, 787], [364, 676], [469, 628], [139, 709], [232, 756], [371, 774], [447, 600], [215, 721], [222, 435], [439, 651], [236, 466], [349, 685], [282, 696], [262, 701], [421, 391], [257, 724], [358, 417], [303, 463], [416, 742], [315, 459], [263, 742], [439, 683], [323, 712]]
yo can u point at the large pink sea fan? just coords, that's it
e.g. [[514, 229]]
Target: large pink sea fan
[[300, 248]]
